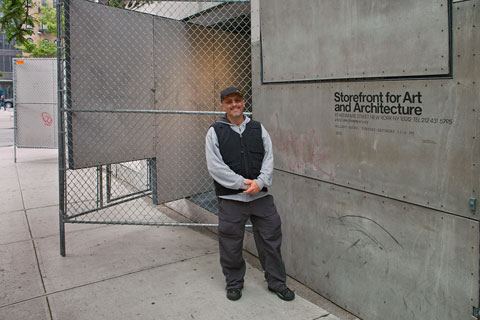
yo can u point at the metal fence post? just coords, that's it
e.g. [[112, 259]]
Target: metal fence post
[[14, 117], [61, 131], [153, 180]]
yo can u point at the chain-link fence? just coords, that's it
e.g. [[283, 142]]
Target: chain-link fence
[[140, 86], [35, 107]]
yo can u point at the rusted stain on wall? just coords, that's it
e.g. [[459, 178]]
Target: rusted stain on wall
[[300, 151]]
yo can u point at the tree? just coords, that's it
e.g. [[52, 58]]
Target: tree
[[40, 49], [127, 4], [49, 19], [15, 20], [43, 48]]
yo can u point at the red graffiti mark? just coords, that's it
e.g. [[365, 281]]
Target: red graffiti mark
[[300, 151], [47, 119]]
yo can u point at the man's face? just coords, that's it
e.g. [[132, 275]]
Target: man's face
[[233, 105]]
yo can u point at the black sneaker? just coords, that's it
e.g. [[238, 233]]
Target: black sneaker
[[234, 294], [287, 294]]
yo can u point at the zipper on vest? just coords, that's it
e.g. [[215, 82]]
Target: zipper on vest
[[244, 155]]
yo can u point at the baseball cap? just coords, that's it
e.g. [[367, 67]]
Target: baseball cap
[[229, 91]]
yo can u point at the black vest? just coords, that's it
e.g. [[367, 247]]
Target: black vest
[[242, 153]]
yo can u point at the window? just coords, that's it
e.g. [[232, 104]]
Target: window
[[2, 65], [8, 63]]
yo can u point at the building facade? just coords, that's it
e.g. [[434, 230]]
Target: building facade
[[7, 53]]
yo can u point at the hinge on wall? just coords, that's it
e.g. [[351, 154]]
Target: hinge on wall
[[472, 202]]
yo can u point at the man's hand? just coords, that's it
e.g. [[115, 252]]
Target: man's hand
[[252, 187]]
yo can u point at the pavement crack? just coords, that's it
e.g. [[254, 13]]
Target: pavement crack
[[46, 295], [33, 245]]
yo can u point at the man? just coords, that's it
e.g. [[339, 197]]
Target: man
[[240, 161]]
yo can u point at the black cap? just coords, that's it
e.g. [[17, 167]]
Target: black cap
[[229, 91]]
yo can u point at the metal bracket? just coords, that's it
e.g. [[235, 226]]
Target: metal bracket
[[473, 204]]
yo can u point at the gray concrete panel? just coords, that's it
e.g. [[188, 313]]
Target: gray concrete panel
[[189, 84], [184, 73], [35, 80], [100, 48], [222, 13], [190, 65], [102, 40], [11, 201], [14, 227], [310, 40], [36, 125], [109, 253], [376, 256], [36, 309], [194, 63], [19, 274], [232, 64], [111, 138], [40, 197], [162, 293], [181, 164], [425, 158], [35, 87], [8, 176], [40, 173], [373, 255], [182, 84], [428, 163], [44, 223]]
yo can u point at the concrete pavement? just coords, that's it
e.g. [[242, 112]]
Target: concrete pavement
[[117, 272], [6, 128]]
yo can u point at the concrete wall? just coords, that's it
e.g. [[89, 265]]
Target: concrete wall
[[375, 205]]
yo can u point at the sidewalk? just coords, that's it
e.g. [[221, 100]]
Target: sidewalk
[[6, 128], [117, 272]]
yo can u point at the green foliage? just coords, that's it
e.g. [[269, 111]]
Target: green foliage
[[48, 17], [15, 20], [40, 49], [127, 4], [115, 3]]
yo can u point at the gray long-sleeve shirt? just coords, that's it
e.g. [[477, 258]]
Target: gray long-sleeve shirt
[[225, 176]]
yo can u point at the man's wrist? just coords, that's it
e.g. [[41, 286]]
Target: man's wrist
[[260, 184]]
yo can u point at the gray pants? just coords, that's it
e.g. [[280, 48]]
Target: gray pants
[[267, 232]]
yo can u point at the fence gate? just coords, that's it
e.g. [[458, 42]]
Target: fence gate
[[35, 107], [139, 90]]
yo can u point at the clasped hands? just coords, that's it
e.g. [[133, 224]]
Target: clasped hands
[[252, 187]]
